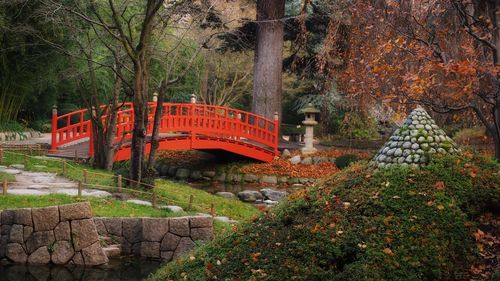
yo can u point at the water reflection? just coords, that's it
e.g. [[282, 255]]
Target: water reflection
[[117, 269]]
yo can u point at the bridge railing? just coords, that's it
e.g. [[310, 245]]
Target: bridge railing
[[196, 120]]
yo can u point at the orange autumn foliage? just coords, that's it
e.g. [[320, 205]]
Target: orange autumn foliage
[[286, 168]]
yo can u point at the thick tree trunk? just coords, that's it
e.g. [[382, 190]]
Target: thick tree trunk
[[267, 83], [111, 125], [140, 122]]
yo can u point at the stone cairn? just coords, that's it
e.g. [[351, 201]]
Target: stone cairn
[[414, 142]]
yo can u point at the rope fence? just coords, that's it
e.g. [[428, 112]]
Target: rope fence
[[96, 180]]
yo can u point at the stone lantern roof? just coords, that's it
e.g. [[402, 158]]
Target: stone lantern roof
[[414, 142], [309, 109]]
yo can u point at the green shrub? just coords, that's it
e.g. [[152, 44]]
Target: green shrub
[[42, 125], [356, 126], [345, 160], [392, 224], [11, 126]]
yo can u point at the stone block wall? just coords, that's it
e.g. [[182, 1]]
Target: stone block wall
[[63, 234], [164, 238]]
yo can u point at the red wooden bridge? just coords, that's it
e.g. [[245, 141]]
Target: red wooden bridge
[[183, 126]]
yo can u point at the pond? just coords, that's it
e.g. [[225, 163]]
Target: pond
[[122, 269]]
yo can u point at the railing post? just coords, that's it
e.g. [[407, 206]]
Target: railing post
[[85, 176], [64, 167], [4, 187], [155, 97], [80, 189], [53, 146], [119, 183], [276, 133], [1, 155], [190, 206]]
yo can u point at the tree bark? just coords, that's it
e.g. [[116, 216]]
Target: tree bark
[[155, 136], [268, 61]]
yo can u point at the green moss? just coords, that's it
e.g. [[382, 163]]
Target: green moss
[[394, 224]]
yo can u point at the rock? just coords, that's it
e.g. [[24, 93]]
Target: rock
[[185, 245], [39, 239], [282, 180], [250, 178], [132, 230], [99, 225], [139, 202], [285, 154], [307, 161], [303, 180], [225, 194], [225, 219], [114, 226], [150, 249], [62, 231], [270, 179], [167, 256], [62, 253], [172, 171], [21, 216], [182, 173], [83, 233], [271, 194], [295, 160], [173, 209], [293, 180], [154, 229], [40, 256], [94, 255], [163, 170], [16, 234], [75, 211], [270, 202], [221, 177], [27, 231], [233, 178], [202, 234], [209, 174], [112, 251], [17, 166], [15, 253], [45, 218], [170, 242], [249, 196], [179, 226], [78, 259], [201, 221], [195, 175]]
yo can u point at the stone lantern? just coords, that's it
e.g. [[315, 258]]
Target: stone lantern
[[193, 98], [310, 120]]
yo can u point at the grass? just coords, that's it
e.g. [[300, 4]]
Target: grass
[[6, 176], [179, 194], [361, 224], [101, 207], [169, 192]]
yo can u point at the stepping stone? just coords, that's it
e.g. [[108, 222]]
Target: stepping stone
[[174, 209], [22, 191], [17, 166], [225, 219], [139, 202], [11, 171], [85, 192]]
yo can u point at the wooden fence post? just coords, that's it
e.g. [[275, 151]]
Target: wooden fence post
[[119, 183], [154, 199], [80, 189], [85, 176], [64, 167], [1, 155], [4, 187], [212, 210], [190, 206], [76, 156]]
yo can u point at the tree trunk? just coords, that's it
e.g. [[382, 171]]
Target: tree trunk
[[111, 125], [155, 136], [267, 83], [140, 122]]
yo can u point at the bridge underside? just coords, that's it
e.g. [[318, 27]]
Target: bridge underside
[[177, 142]]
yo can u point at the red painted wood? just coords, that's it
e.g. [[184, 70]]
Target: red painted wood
[[196, 126]]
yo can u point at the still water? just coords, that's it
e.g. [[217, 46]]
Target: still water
[[117, 269]]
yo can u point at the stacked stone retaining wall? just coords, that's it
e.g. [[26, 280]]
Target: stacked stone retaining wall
[[68, 234]]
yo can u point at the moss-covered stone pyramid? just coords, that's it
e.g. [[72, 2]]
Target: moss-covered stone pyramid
[[414, 142]]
